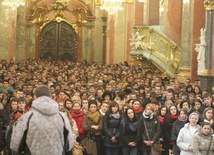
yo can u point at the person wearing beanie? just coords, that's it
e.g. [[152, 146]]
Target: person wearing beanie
[[45, 126]]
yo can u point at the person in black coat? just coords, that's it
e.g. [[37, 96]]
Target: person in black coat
[[179, 123], [150, 129], [169, 120], [111, 127], [129, 133]]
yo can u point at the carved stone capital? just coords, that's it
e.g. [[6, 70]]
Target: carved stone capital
[[209, 4]]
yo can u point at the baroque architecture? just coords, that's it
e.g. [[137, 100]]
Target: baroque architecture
[[162, 32]]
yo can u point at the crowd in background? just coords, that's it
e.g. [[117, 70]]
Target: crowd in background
[[125, 108]]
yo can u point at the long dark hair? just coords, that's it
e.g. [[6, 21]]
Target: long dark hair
[[127, 118]]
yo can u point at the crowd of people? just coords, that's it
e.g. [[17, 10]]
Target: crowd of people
[[126, 110]]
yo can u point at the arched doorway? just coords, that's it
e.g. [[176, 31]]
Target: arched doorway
[[58, 40]]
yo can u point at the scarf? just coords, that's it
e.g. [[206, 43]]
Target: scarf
[[146, 116], [211, 121], [133, 126], [94, 116], [115, 115], [137, 110], [102, 113], [161, 119], [173, 117], [76, 114]]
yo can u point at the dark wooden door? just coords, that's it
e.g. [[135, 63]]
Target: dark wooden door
[[58, 41]]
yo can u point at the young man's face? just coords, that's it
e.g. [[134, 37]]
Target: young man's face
[[208, 100], [104, 107], [21, 105]]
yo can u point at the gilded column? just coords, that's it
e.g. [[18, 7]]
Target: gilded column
[[104, 20], [11, 35]]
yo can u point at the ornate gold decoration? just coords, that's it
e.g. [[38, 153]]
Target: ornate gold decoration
[[159, 45], [209, 4], [207, 72], [39, 15], [59, 8]]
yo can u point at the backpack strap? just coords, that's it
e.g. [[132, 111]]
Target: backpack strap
[[23, 145], [66, 143]]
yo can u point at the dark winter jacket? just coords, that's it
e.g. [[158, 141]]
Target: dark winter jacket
[[174, 134], [111, 127], [129, 132], [153, 129]]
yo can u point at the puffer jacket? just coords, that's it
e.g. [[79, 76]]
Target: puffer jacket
[[185, 139], [201, 143], [45, 131]]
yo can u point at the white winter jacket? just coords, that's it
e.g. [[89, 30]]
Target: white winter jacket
[[185, 139]]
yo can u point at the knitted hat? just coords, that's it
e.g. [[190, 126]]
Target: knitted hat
[[194, 113]]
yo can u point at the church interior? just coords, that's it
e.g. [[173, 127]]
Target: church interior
[[169, 34]]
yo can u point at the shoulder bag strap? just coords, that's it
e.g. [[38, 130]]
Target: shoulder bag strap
[[209, 145], [146, 129]]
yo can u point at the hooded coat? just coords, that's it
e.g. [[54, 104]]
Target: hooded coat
[[201, 143], [185, 139], [45, 131]]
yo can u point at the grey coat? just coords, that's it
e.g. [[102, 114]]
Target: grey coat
[[45, 132], [201, 144]]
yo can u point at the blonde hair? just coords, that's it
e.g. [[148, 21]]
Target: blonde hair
[[151, 106]]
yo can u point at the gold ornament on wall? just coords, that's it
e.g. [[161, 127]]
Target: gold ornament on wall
[[209, 4]]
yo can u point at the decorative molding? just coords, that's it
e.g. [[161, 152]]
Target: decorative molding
[[157, 47], [39, 15], [209, 4]]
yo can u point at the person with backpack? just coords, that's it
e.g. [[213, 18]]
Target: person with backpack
[[42, 130]]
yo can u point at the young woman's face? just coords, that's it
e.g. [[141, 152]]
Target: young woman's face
[[197, 105], [173, 110], [148, 110], [136, 105], [76, 106], [130, 114], [131, 103], [183, 115], [185, 105], [206, 129], [14, 105], [114, 109], [93, 108], [68, 104], [193, 120], [104, 107], [197, 90], [163, 111], [209, 115]]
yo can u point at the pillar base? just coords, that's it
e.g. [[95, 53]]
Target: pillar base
[[207, 82], [183, 73]]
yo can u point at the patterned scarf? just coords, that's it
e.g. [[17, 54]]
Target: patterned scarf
[[94, 116], [115, 115], [147, 116]]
